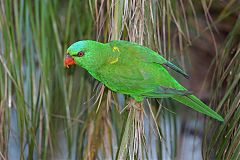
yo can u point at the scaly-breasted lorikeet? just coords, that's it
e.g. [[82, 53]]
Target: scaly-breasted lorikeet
[[135, 70]]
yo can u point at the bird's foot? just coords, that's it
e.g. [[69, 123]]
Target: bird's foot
[[136, 105]]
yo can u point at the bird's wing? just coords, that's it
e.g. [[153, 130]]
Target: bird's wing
[[176, 69], [132, 80], [122, 78], [142, 53], [163, 92]]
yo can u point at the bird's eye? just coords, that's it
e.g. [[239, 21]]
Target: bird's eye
[[80, 54]]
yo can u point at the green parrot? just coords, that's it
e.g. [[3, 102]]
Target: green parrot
[[134, 70]]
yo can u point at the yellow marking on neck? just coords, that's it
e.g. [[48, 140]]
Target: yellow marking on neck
[[114, 61], [116, 49]]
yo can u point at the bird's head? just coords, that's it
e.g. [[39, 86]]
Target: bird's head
[[85, 53]]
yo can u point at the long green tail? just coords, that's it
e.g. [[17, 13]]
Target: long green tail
[[196, 104]]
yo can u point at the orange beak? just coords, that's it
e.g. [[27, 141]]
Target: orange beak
[[68, 61]]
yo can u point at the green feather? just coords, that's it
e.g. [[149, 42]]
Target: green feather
[[194, 103], [135, 70], [175, 68]]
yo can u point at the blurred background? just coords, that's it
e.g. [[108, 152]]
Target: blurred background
[[50, 112]]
